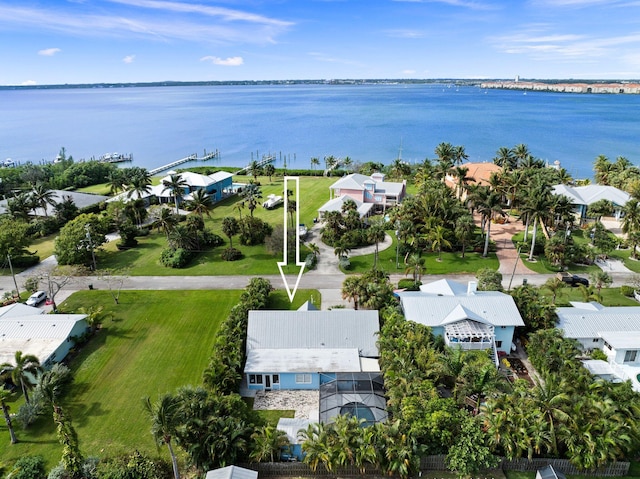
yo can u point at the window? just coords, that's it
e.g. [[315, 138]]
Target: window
[[303, 378], [607, 345], [252, 378], [630, 356], [259, 378], [596, 340], [503, 327], [275, 379], [498, 344]]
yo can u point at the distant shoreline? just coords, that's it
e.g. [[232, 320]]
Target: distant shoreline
[[572, 86], [616, 88]]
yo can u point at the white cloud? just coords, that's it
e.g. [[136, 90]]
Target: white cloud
[[226, 62], [129, 59], [184, 21], [404, 33], [29, 83], [322, 57], [473, 5], [49, 52], [408, 72]]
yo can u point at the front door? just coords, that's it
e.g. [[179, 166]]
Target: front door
[[267, 381]]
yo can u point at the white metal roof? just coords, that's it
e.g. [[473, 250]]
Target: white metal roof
[[622, 339], [356, 181], [16, 310], [220, 175], [39, 334], [579, 322], [336, 205], [291, 426], [492, 307], [588, 194], [232, 472], [334, 329], [303, 361], [598, 367], [444, 287]]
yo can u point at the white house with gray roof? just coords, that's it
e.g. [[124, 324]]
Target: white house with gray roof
[[615, 330], [583, 196], [303, 349], [465, 317], [46, 336]]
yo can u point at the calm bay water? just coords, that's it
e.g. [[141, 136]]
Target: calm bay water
[[365, 122]]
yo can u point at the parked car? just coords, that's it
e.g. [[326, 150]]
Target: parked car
[[36, 298], [572, 279]]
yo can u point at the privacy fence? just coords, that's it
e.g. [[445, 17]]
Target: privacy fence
[[432, 463]]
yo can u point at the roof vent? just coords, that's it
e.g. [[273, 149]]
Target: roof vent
[[472, 287]]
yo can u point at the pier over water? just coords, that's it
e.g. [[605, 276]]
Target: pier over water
[[193, 157]]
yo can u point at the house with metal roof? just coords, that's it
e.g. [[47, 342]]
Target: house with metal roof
[[615, 330], [465, 317], [81, 200], [583, 196], [46, 336], [232, 472], [304, 349], [368, 190]]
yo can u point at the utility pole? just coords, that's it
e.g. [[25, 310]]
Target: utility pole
[[12, 274], [93, 254]]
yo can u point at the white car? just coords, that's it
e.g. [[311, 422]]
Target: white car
[[36, 298]]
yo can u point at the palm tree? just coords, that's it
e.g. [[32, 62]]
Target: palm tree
[[352, 289], [270, 170], [631, 224], [255, 169], [464, 230], [415, 266], [20, 205], [460, 173], [164, 415], [600, 279], [268, 441], [117, 181], [489, 209], [230, 227], [446, 154], [522, 154], [314, 162], [341, 251], [176, 186], [27, 367], [166, 222], [347, 163], [505, 158], [43, 197], [251, 195], [554, 285], [538, 206], [437, 236], [376, 233], [200, 203], [5, 396], [139, 184], [314, 248]]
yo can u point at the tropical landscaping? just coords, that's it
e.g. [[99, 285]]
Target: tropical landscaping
[[163, 368]]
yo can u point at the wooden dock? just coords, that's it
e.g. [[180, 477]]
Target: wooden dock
[[193, 157], [266, 159]]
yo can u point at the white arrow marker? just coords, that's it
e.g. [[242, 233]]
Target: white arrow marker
[[291, 292]]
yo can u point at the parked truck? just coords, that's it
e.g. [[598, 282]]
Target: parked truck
[[572, 279]]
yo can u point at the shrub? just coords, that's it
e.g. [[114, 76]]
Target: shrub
[[211, 239], [310, 261], [407, 283], [598, 354], [28, 467], [133, 466], [254, 231], [231, 254], [29, 412], [627, 290], [31, 284], [175, 258], [25, 260]]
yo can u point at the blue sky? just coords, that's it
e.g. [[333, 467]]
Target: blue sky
[[89, 41]]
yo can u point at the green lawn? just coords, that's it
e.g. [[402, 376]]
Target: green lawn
[[452, 263], [610, 297], [144, 259], [625, 256], [43, 247], [155, 344], [101, 189]]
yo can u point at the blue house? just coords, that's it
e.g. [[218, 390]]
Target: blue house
[[465, 317], [218, 186], [304, 349]]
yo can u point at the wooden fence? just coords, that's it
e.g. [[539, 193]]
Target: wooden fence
[[430, 463]]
